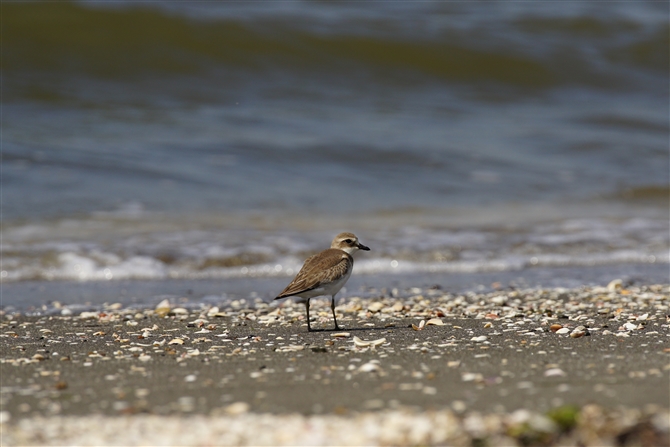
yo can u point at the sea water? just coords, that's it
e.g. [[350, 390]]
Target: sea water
[[152, 149]]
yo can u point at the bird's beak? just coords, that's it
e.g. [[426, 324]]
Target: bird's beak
[[363, 247]]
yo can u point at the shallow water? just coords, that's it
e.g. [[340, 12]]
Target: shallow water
[[195, 141]]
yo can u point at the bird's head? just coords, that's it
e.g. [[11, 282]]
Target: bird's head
[[348, 242]]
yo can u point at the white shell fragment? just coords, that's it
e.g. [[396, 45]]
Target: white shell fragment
[[372, 343], [435, 322], [615, 285], [237, 408], [163, 307], [341, 335], [420, 327], [176, 341], [369, 367], [376, 306], [554, 372]]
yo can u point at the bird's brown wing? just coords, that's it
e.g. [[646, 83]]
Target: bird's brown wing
[[329, 265]]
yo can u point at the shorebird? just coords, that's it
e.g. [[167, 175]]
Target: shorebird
[[325, 273]]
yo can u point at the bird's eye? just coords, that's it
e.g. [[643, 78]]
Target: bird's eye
[[348, 241]]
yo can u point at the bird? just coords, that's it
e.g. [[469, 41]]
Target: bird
[[325, 273]]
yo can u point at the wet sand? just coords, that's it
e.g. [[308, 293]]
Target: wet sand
[[531, 366]]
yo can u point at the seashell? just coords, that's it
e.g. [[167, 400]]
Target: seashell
[[364, 343], [435, 322], [562, 331], [237, 408], [212, 311], [555, 327], [176, 341], [163, 308], [369, 367], [341, 335], [630, 326], [615, 285], [421, 325], [554, 372], [479, 339], [472, 377], [197, 323], [376, 306], [398, 306]]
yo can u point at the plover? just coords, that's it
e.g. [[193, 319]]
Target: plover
[[325, 273]]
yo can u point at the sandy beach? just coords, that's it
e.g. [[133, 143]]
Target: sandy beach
[[514, 367]]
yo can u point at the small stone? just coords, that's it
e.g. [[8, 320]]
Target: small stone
[[555, 327], [479, 339]]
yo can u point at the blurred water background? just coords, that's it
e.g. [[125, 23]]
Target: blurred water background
[[204, 149]]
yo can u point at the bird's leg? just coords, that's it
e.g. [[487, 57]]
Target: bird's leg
[[309, 328], [332, 306]]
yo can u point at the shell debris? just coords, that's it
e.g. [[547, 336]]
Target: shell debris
[[364, 343]]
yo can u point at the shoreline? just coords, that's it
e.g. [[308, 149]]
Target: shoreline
[[496, 356]]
